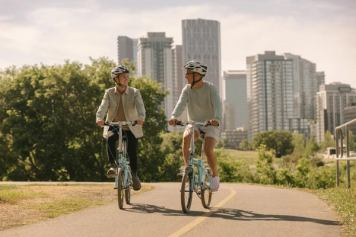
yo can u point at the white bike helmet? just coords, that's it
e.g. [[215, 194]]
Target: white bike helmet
[[195, 66]]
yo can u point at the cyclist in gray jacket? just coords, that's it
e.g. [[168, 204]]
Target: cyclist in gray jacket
[[123, 103]]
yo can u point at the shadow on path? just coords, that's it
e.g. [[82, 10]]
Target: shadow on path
[[226, 213]]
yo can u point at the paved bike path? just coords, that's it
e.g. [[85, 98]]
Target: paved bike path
[[239, 210]]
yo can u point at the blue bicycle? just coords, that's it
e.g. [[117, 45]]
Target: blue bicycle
[[197, 175], [123, 176]]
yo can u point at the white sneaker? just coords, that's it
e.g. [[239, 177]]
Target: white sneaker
[[214, 183]]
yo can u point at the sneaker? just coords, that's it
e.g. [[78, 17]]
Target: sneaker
[[214, 183], [111, 172], [136, 184]]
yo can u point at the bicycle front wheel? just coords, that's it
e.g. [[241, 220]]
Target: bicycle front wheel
[[206, 193], [128, 195], [120, 189], [186, 193]]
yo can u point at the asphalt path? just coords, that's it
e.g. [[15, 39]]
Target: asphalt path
[[237, 210]]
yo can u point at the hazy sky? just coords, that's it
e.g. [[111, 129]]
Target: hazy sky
[[49, 32]]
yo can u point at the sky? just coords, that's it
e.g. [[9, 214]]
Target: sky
[[50, 32]]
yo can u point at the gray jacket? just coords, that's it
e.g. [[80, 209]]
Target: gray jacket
[[134, 108]]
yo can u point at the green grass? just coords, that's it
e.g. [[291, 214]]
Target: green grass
[[344, 203], [249, 157], [12, 195], [65, 206]]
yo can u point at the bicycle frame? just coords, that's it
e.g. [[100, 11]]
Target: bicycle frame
[[197, 176], [199, 179], [121, 160], [123, 176]]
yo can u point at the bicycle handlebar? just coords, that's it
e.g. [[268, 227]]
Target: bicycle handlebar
[[205, 124], [121, 123]]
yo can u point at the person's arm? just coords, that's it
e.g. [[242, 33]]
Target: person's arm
[[140, 107], [181, 104], [216, 105], [103, 109]]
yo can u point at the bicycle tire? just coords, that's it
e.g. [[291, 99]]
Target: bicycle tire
[[186, 193], [128, 195], [120, 189], [206, 193]]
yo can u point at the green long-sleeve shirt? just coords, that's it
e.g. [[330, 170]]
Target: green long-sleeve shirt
[[203, 103]]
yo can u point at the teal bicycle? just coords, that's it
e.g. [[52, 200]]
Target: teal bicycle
[[123, 176], [197, 175]]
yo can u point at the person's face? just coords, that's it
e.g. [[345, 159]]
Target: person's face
[[122, 79], [189, 75]]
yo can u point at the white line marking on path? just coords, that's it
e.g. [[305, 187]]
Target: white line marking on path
[[199, 220]]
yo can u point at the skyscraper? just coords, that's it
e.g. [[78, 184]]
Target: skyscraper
[[332, 99], [235, 101], [126, 49], [269, 92], [305, 86], [282, 92], [178, 72], [154, 59], [201, 42]]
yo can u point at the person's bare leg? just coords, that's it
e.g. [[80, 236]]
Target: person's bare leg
[[186, 145], [210, 154], [185, 148]]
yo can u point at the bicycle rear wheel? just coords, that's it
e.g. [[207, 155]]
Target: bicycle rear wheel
[[206, 194], [186, 193], [120, 189]]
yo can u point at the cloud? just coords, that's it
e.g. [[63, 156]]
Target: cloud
[[50, 31]]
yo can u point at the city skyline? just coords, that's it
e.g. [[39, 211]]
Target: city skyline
[[51, 32]]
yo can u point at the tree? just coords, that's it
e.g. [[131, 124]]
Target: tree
[[47, 122], [245, 145], [279, 141], [171, 150], [149, 150]]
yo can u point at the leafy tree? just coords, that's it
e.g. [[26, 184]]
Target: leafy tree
[[47, 122], [171, 150], [149, 149], [245, 145], [279, 141]]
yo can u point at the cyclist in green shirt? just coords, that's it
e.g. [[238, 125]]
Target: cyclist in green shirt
[[203, 105]]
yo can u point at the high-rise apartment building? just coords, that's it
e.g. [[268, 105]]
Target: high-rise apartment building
[[201, 42], [235, 99], [320, 77], [332, 99], [305, 86], [269, 92], [178, 72], [126, 49], [281, 92], [154, 60]]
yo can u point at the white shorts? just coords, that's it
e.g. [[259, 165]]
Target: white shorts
[[210, 131]]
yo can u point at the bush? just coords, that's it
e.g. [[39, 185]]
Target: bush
[[265, 173]]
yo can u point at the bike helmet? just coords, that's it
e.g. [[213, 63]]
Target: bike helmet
[[195, 66], [119, 70]]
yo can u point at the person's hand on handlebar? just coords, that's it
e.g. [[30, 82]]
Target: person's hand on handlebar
[[172, 122], [139, 122], [213, 122], [100, 123]]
